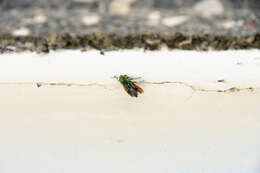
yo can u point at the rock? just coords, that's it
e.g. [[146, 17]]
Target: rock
[[120, 7], [21, 32], [39, 19], [154, 18], [209, 8], [229, 24], [91, 20], [174, 21]]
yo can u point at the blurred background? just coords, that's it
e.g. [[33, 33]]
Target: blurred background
[[44, 17]]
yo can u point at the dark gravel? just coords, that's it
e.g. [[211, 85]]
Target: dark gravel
[[107, 42]]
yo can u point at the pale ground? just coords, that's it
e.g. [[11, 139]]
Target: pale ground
[[184, 126]]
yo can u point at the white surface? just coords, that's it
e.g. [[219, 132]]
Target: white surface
[[96, 128], [238, 68]]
